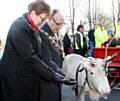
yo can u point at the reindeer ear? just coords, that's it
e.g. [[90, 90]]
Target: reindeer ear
[[90, 58], [92, 61]]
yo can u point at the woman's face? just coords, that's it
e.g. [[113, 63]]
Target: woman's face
[[38, 19], [81, 29], [41, 18]]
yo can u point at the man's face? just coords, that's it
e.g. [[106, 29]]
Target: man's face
[[58, 22]]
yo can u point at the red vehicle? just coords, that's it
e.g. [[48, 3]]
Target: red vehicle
[[114, 66]]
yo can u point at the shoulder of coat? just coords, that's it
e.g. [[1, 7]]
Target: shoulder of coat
[[78, 32]]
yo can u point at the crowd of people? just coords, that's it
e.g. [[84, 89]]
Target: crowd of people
[[96, 37], [30, 68]]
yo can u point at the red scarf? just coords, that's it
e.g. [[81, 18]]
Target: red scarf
[[36, 27]]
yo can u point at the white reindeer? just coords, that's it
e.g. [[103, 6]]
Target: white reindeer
[[92, 78]]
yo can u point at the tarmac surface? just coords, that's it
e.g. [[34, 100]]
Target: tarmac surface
[[68, 95]]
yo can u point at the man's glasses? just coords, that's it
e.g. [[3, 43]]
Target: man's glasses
[[58, 24]]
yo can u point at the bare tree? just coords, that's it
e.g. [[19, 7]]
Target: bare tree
[[89, 12], [73, 5], [95, 11], [40, 0], [113, 14], [92, 12], [72, 18], [118, 15], [73, 15]]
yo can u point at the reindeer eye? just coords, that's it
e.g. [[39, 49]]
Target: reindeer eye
[[91, 73], [92, 64]]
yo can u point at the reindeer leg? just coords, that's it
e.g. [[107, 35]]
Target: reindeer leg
[[82, 97], [81, 93]]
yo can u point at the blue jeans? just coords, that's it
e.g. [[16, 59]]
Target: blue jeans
[[91, 47]]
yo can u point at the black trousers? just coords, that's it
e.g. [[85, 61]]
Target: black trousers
[[80, 52]]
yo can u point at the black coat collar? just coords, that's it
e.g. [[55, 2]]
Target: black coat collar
[[47, 29]]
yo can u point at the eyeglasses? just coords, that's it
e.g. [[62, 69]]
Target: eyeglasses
[[42, 19], [58, 24]]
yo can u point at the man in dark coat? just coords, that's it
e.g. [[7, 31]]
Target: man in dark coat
[[25, 73], [52, 29]]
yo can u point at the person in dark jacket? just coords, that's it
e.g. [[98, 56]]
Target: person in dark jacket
[[26, 70], [91, 42], [52, 29], [80, 41], [66, 43]]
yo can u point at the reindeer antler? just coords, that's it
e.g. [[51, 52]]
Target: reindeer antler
[[112, 57]]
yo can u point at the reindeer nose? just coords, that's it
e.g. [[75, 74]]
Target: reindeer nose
[[105, 92]]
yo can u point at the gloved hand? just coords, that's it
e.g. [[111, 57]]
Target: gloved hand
[[69, 81], [58, 78], [62, 79]]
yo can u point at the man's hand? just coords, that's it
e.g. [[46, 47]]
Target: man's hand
[[69, 81], [58, 78], [62, 79]]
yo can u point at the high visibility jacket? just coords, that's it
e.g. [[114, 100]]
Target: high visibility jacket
[[117, 35], [78, 40], [100, 36]]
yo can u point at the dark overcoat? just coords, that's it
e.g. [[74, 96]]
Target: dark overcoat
[[56, 57], [55, 51], [66, 43], [25, 76]]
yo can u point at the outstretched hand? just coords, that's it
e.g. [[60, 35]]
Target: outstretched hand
[[62, 79], [69, 81]]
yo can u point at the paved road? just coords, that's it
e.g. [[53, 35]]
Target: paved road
[[68, 95]]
